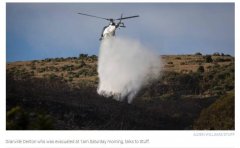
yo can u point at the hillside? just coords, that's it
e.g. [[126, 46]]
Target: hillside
[[60, 93]]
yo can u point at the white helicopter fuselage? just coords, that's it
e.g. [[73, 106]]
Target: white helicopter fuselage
[[109, 31]]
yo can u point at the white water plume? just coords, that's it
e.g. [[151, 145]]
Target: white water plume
[[124, 66]]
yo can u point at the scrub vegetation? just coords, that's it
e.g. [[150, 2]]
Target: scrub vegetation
[[193, 92]]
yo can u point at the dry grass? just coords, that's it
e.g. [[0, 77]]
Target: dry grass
[[190, 63], [44, 68]]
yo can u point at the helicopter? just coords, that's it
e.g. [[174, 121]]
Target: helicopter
[[109, 31]]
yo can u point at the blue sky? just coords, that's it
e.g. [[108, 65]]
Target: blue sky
[[49, 30]]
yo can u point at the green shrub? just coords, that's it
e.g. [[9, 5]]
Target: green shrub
[[218, 116], [42, 122], [19, 119]]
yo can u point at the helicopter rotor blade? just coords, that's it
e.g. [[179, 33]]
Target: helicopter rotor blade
[[94, 16], [122, 18]]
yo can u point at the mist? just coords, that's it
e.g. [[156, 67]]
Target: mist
[[124, 67]]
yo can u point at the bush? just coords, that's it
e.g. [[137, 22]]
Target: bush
[[70, 79], [216, 54], [17, 119], [218, 116], [93, 57], [33, 67], [52, 76], [41, 70], [178, 58], [208, 59], [42, 122], [20, 119], [81, 56], [82, 63], [67, 68], [198, 53], [200, 69], [48, 60], [59, 59], [222, 60], [87, 72]]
